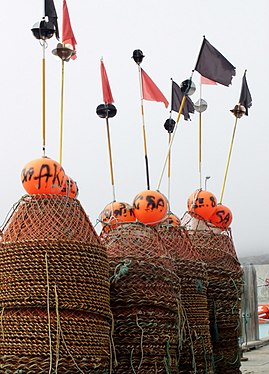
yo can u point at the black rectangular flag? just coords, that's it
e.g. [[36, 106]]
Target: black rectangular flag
[[50, 12], [213, 65], [245, 96], [177, 96]]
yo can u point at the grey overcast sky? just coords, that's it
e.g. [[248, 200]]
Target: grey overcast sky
[[170, 35]]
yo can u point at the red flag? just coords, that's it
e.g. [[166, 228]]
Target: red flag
[[205, 80], [150, 91], [107, 94], [68, 35]]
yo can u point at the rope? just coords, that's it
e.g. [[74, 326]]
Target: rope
[[141, 343], [76, 365], [204, 351], [112, 341], [58, 329], [131, 361], [120, 270], [48, 311], [167, 359], [2, 327]]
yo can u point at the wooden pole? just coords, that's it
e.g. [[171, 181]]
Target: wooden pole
[[171, 141], [44, 99], [61, 116], [169, 167], [228, 161], [200, 148], [110, 160], [144, 129]]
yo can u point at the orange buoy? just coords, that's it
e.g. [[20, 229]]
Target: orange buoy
[[263, 311], [115, 213], [171, 220], [42, 176], [69, 188], [222, 217], [150, 207], [203, 203]]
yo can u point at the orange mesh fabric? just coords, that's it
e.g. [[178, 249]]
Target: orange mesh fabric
[[48, 217]]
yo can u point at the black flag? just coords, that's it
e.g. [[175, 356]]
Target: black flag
[[50, 12], [177, 96], [245, 96], [213, 65]]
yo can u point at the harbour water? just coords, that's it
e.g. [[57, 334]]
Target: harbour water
[[263, 330]]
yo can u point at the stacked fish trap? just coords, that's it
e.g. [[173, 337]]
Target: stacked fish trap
[[144, 301], [216, 248], [54, 294], [195, 348]]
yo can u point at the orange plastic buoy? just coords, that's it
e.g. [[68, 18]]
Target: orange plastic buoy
[[115, 213], [263, 311], [69, 188], [222, 217], [171, 220], [202, 203], [150, 207], [42, 176]]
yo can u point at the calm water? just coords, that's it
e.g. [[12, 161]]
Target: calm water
[[263, 330]]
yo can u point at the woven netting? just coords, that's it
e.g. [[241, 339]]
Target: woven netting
[[176, 242], [195, 344], [78, 270], [196, 355], [216, 249], [144, 301], [77, 342], [145, 309], [50, 217], [224, 297], [135, 240], [51, 259]]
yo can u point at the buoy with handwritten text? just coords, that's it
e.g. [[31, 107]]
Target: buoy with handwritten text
[[171, 220], [150, 207], [69, 188], [115, 213], [222, 217], [43, 176], [202, 203]]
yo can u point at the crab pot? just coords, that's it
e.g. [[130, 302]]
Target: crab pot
[[223, 294], [195, 347], [54, 290], [144, 301]]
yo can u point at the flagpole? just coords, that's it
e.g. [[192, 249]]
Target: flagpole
[[200, 141], [169, 167], [61, 116], [44, 99], [110, 160], [144, 128], [171, 141], [228, 160]]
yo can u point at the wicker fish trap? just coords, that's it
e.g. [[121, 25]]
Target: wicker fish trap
[[48, 217], [66, 342]]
